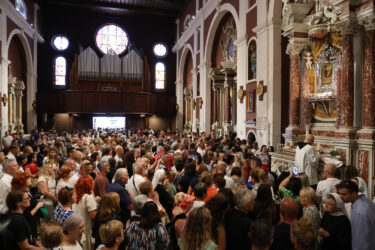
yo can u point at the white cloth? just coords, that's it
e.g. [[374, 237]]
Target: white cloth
[[5, 188], [73, 180], [159, 174], [133, 184], [11, 156], [325, 187], [335, 162], [60, 185], [307, 162], [229, 183], [51, 187], [202, 152], [118, 159], [196, 204], [362, 187], [86, 205], [7, 141], [76, 247]]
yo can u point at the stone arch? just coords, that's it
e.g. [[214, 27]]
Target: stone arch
[[184, 54], [251, 135], [221, 12], [29, 91]]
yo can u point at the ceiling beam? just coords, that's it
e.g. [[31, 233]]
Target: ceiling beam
[[128, 8]]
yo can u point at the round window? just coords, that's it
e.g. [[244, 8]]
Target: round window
[[60, 42], [160, 50], [112, 39]]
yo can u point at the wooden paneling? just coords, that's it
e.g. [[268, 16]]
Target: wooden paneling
[[105, 102]]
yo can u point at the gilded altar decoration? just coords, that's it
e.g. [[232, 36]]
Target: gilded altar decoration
[[241, 94], [4, 99], [327, 74]]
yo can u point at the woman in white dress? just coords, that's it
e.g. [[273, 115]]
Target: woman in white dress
[[87, 207], [47, 186]]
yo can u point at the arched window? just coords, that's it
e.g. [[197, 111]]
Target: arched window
[[159, 75], [112, 39], [60, 71], [60, 42], [160, 50], [21, 7]]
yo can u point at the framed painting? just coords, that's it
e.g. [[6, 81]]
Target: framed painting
[[250, 104]]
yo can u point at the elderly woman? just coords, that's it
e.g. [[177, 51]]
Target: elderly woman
[[164, 197], [47, 186], [73, 229], [67, 197], [308, 200], [87, 207], [302, 234], [335, 229], [22, 182]]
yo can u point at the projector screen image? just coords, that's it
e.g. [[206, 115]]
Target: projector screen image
[[108, 122]]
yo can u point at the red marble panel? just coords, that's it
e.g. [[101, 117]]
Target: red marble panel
[[369, 78], [363, 164], [306, 108], [338, 97], [342, 152], [366, 136], [294, 90], [347, 81]]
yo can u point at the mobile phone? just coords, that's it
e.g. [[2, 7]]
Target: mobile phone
[[295, 170], [42, 197]]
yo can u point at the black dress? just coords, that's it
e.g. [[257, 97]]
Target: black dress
[[165, 199], [32, 219], [340, 232]]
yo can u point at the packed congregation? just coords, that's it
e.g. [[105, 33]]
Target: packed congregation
[[146, 189]]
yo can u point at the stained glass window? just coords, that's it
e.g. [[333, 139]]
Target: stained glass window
[[159, 75], [21, 7], [160, 50], [60, 42], [60, 71], [111, 39]]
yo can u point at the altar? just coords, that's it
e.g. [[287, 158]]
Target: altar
[[331, 93]]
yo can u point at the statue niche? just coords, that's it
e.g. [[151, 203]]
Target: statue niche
[[323, 98]]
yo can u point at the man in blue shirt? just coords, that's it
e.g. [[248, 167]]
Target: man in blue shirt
[[126, 201], [362, 216]]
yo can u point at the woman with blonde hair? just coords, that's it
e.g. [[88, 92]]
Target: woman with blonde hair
[[258, 177], [53, 159], [197, 233], [307, 197], [109, 209], [111, 234], [47, 186], [303, 235]]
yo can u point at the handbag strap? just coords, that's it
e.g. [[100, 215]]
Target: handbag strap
[[136, 189]]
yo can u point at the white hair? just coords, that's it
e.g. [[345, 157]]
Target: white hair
[[242, 198], [119, 173]]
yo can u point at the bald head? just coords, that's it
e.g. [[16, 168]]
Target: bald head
[[330, 170], [309, 139], [288, 209], [221, 167]]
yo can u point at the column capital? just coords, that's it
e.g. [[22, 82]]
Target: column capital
[[369, 22], [296, 45], [348, 26]]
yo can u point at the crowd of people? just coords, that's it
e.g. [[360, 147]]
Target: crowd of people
[[147, 189]]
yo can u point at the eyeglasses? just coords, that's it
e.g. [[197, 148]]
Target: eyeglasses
[[27, 198]]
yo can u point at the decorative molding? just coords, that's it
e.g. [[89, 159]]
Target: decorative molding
[[296, 45]]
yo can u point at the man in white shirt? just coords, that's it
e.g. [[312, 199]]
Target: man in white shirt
[[14, 150], [85, 169], [140, 171], [306, 160], [7, 140], [119, 154], [200, 149], [10, 170], [221, 169], [326, 186]]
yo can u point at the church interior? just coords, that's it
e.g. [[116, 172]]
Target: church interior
[[272, 70]]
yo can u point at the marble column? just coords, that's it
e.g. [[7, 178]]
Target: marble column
[[215, 106], [294, 89], [369, 78], [227, 104], [338, 96], [347, 82]]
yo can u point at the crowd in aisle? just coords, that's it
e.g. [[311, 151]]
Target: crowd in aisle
[[156, 189]]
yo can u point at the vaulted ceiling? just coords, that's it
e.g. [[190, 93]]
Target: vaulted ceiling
[[141, 7]]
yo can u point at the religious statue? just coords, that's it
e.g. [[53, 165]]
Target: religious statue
[[253, 61], [308, 58]]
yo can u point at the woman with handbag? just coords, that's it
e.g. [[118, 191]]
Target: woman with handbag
[[22, 181], [86, 207], [47, 186]]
